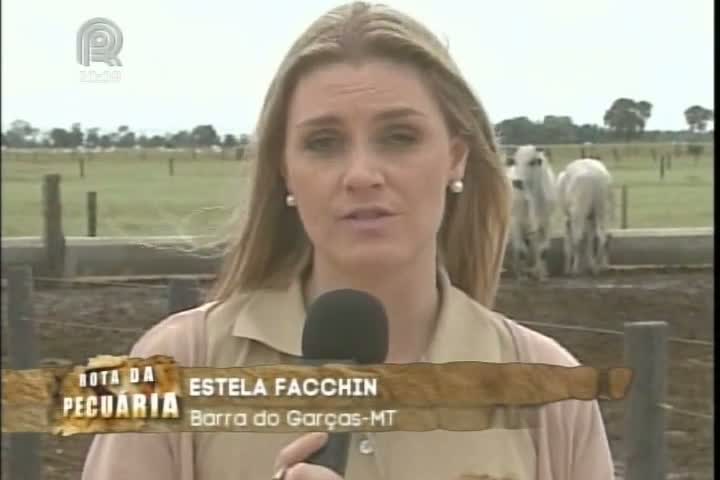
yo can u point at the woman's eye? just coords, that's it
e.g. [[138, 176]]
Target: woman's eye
[[323, 143], [400, 138]]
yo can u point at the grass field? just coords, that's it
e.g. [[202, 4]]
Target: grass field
[[137, 196]]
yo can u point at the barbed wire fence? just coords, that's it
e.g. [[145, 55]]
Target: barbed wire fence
[[645, 347]]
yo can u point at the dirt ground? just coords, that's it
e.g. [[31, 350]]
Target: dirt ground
[[683, 298]]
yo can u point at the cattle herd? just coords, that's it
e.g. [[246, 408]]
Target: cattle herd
[[581, 194]]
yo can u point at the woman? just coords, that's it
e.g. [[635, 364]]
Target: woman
[[377, 169]]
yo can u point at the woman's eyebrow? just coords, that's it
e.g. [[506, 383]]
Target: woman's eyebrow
[[332, 119], [319, 121], [400, 112]]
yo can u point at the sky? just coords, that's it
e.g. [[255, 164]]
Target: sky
[[190, 62]]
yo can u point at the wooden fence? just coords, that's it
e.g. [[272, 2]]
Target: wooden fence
[[54, 237], [646, 352]]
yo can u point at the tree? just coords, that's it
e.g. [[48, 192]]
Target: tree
[[61, 138], [205, 135], [92, 137], [230, 141], [76, 135], [181, 139], [19, 134], [590, 133], [627, 117], [156, 141], [558, 129], [106, 141], [697, 118], [126, 139], [519, 130], [645, 110]]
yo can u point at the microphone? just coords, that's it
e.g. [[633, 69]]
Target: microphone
[[343, 326]]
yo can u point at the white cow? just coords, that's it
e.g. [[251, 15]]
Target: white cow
[[534, 200], [586, 200], [521, 225]]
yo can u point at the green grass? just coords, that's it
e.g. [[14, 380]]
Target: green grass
[[134, 196], [137, 196]]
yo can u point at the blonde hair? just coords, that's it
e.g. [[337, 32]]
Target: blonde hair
[[273, 246]]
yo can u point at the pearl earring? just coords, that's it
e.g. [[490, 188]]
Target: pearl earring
[[290, 200], [456, 186]]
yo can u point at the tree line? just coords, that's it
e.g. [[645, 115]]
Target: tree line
[[624, 121], [22, 134]]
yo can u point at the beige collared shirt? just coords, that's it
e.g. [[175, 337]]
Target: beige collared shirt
[[266, 327]]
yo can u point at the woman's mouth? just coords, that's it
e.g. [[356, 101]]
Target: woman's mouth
[[368, 218]]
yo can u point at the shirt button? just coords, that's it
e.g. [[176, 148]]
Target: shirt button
[[366, 447]]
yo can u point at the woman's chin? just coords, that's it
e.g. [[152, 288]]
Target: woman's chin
[[373, 257]]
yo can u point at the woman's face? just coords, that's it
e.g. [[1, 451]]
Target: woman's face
[[368, 158]]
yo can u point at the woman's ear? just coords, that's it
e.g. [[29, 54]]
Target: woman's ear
[[284, 175], [459, 151]]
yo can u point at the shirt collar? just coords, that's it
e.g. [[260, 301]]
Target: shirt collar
[[276, 318]]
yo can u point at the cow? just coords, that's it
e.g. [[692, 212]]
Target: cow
[[520, 225], [534, 200], [586, 200]]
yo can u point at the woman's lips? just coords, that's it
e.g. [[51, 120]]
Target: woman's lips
[[372, 218]]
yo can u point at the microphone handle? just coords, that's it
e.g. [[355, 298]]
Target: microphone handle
[[334, 454]]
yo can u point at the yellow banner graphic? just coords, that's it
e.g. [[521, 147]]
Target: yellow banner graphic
[[121, 394]]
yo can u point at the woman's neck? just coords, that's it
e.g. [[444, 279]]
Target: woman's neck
[[410, 297]]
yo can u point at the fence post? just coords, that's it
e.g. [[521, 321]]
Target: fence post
[[92, 214], [53, 236], [171, 166], [624, 207], [24, 448], [662, 167], [183, 294], [644, 432], [81, 165]]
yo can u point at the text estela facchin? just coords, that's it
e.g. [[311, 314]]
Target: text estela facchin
[[283, 387]]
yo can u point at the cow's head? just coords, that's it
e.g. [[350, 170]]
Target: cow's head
[[529, 161]]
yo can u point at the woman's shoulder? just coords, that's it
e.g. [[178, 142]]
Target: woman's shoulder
[[179, 335], [535, 347], [530, 346]]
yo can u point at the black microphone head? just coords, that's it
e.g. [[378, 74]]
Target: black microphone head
[[346, 324]]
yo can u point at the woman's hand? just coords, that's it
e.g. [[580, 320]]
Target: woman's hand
[[290, 460]]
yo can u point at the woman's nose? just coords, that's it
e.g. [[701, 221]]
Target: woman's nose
[[362, 171]]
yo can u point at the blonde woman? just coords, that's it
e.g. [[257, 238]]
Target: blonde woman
[[376, 169]]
